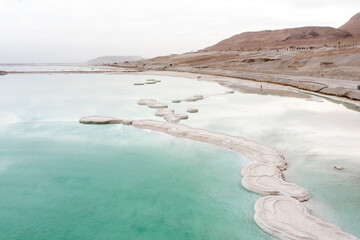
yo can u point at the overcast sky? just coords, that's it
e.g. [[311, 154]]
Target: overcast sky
[[78, 30]]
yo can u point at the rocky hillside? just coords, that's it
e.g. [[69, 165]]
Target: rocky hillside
[[291, 37], [113, 59], [353, 25]]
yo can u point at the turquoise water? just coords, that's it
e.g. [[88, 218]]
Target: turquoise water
[[70, 181], [44, 67], [111, 182], [63, 180], [314, 136]]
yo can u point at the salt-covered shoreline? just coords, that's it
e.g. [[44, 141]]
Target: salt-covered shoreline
[[266, 179], [286, 218], [253, 151], [281, 213]]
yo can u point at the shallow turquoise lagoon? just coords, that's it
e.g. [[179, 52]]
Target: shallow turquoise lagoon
[[63, 180], [72, 181], [60, 179]]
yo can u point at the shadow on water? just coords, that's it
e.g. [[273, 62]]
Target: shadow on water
[[286, 93], [265, 91], [348, 105]]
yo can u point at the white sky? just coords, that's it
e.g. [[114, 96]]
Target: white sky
[[78, 30]]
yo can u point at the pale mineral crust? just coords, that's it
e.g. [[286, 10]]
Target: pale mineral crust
[[279, 214], [339, 167], [164, 111], [266, 179], [194, 98], [127, 122], [170, 115], [192, 110], [99, 120], [152, 103], [286, 218], [253, 151]]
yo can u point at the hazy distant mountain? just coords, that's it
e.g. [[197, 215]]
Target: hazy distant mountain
[[113, 59], [284, 38], [353, 25]]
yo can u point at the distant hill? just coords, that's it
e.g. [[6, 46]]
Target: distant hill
[[284, 38], [353, 25], [113, 59]]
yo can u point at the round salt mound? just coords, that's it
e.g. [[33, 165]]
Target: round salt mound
[[192, 110], [99, 120]]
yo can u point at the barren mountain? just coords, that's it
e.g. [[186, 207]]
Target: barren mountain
[[276, 39], [291, 37], [294, 57], [353, 25], [113, 59]]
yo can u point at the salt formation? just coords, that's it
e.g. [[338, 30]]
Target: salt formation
[[99, 120], [192, 110], [287, 218], [164, 111], [266, 179], [151, 103], [170, 115], [281, 216], [339, 167], [253, 151], [148, 81], [127, 122], [194, 98]]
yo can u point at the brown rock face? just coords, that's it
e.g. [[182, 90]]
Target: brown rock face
[[276, 39], [291, 37], [353, 25]]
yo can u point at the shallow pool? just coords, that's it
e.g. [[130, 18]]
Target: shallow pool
[[60, 179]]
